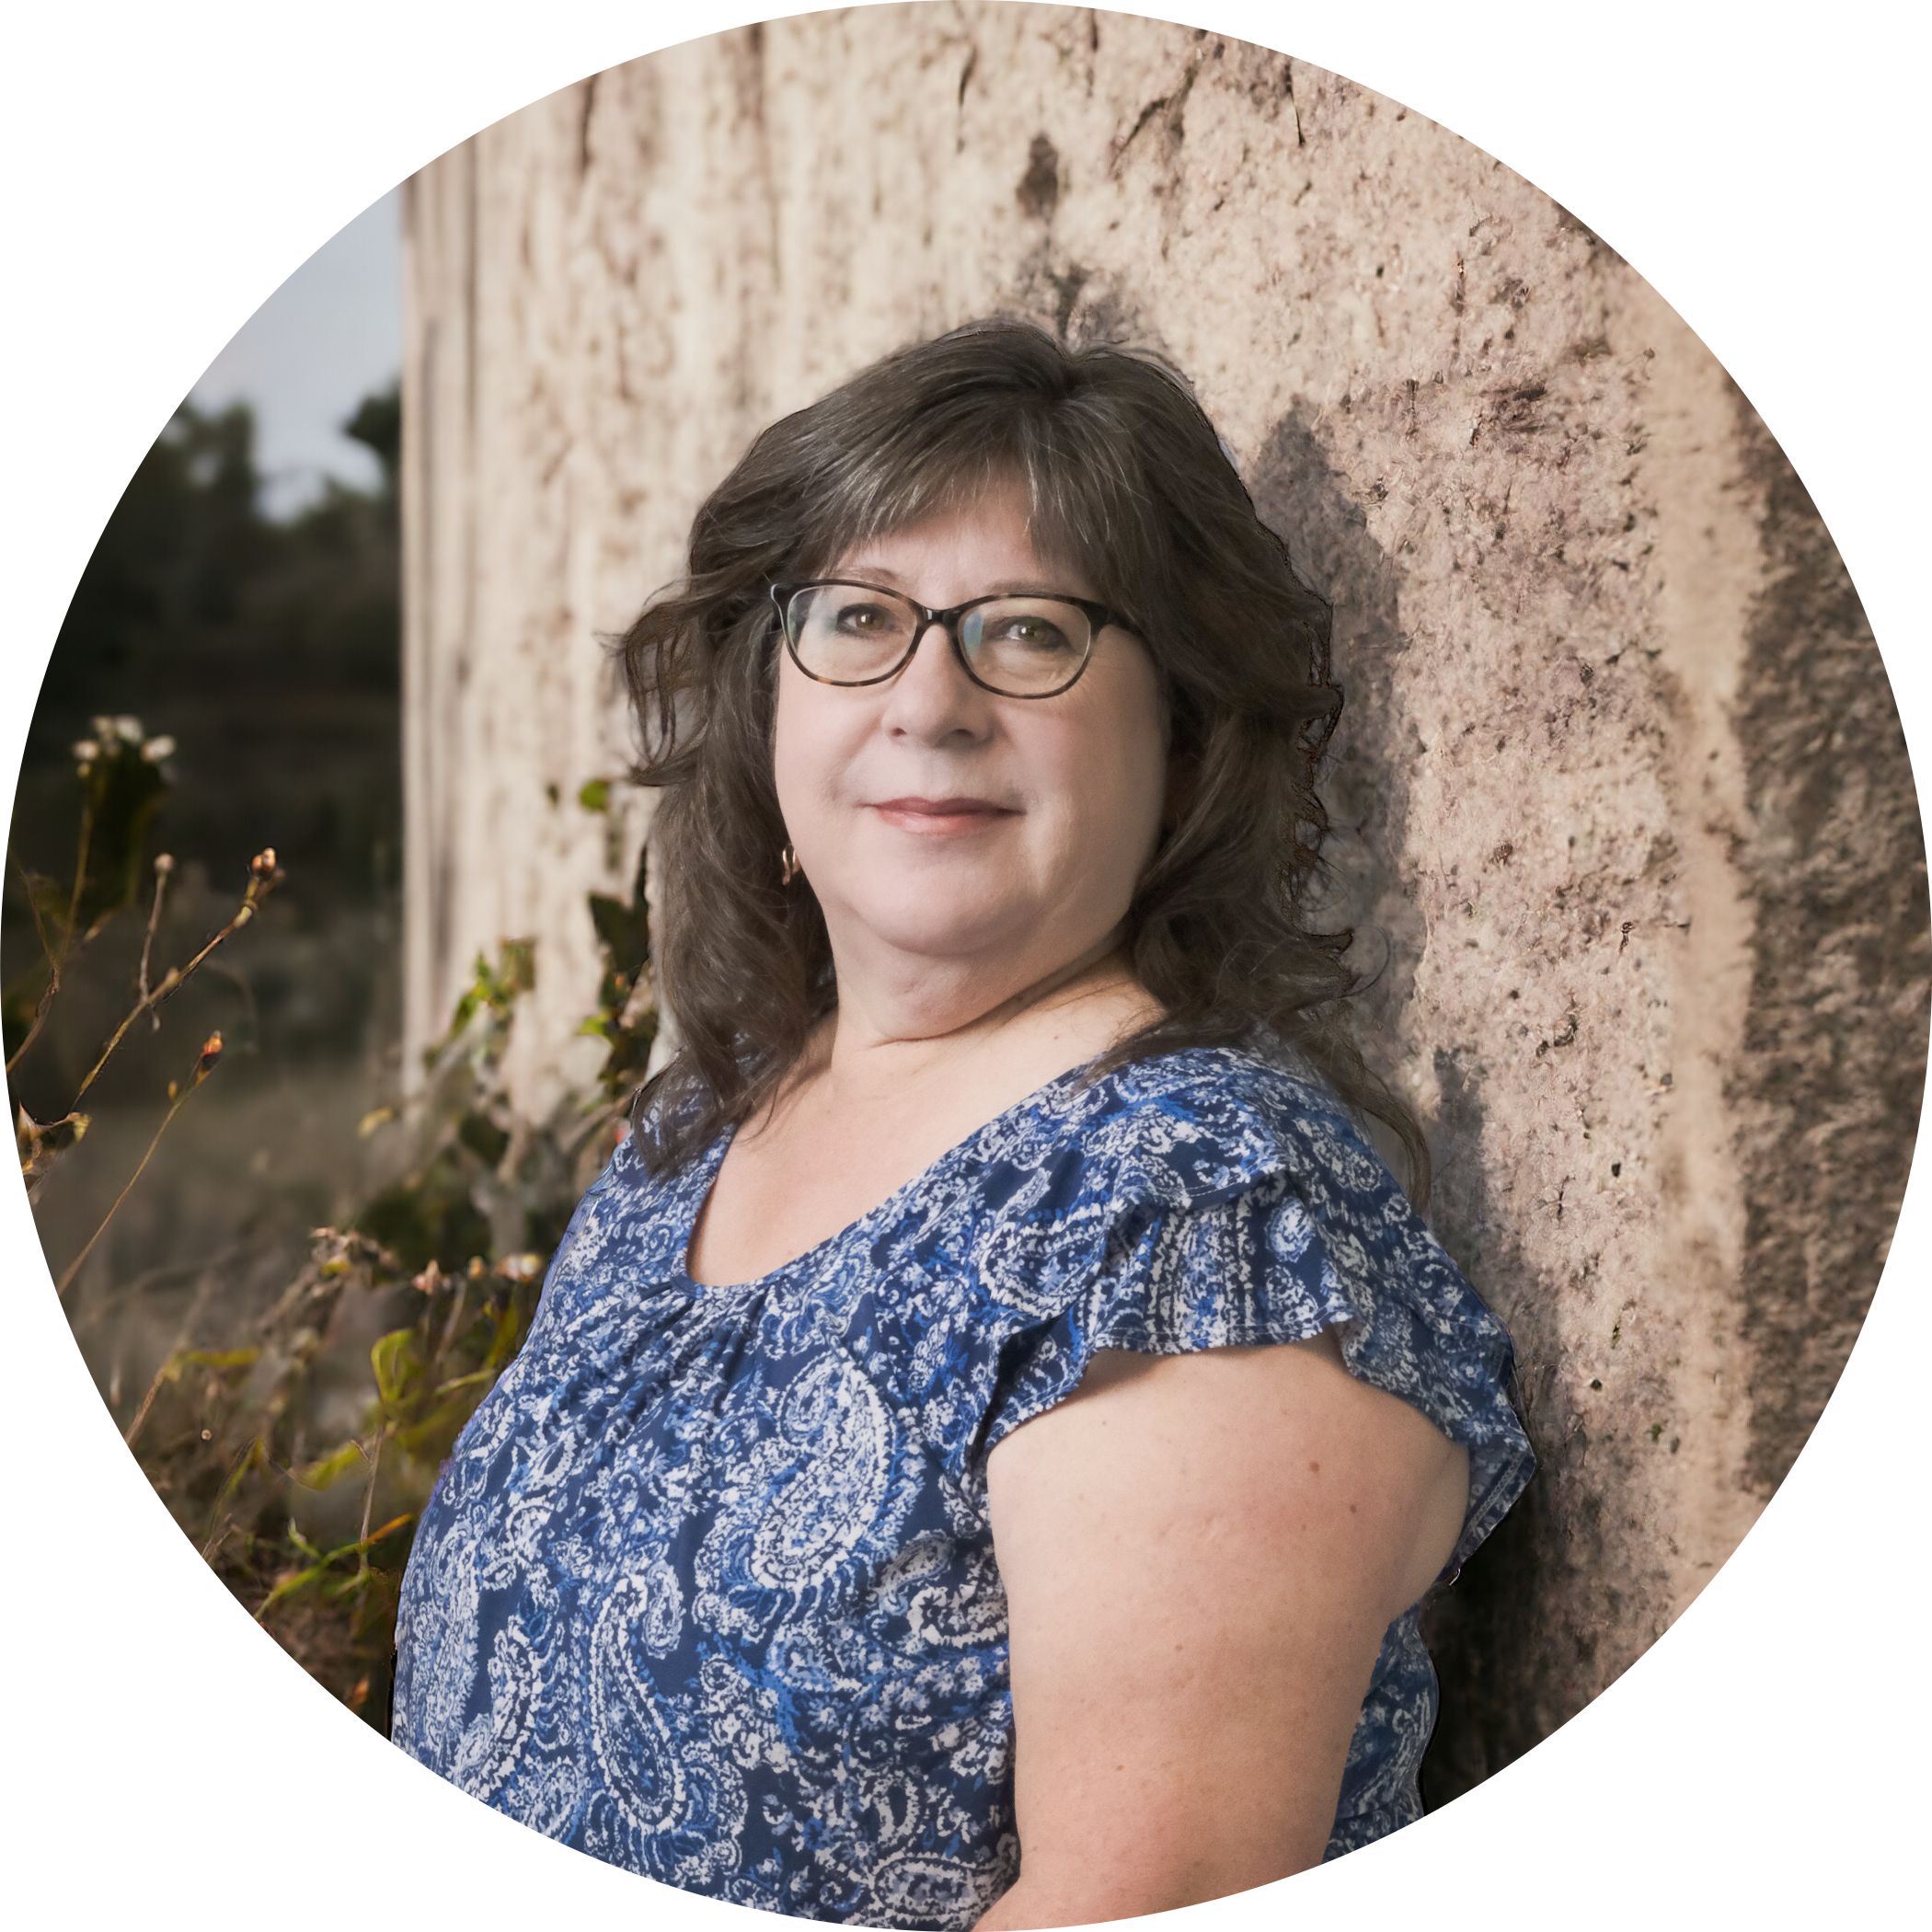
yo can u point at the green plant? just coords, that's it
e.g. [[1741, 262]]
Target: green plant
[[123, 777], [301, 1458], [298, 1453]]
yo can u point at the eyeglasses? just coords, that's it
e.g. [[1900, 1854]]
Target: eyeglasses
[[841, 632]]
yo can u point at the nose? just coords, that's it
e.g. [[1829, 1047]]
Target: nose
[[932, 698]]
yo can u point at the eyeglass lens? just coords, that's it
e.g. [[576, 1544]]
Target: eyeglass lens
[[847, 634]]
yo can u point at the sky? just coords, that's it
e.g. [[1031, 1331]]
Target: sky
[[322, 341]]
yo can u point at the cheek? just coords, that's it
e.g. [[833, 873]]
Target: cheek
[[1099, 794], [1121, 764], [811, 748]]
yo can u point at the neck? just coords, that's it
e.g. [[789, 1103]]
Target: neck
[[877, 1037]]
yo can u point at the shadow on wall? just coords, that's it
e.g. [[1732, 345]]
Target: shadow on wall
[[1491, 1611]]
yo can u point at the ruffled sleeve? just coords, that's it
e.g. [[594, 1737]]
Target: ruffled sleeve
[[1233, 1219]]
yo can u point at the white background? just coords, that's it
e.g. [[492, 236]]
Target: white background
[[168, 167]]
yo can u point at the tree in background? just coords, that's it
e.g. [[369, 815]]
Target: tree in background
[[267, 652], [257, 660]]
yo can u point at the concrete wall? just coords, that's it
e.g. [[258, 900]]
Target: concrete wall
[[1620, 775]]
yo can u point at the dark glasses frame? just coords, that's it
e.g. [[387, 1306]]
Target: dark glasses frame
[[1099, 616]]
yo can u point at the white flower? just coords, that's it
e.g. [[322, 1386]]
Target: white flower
[[156, 748]]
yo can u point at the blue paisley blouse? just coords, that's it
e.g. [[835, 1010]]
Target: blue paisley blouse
[[706, 1586]]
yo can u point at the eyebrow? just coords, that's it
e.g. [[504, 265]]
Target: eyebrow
[[1004, 587]]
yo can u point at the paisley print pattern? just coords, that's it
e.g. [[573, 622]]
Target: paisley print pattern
[[707, 1587]]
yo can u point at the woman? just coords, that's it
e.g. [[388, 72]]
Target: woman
[[988, 1431]]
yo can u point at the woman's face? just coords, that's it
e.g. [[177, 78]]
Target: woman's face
[[1071, 786]]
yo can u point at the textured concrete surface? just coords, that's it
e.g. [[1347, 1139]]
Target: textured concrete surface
[[1620, 788]]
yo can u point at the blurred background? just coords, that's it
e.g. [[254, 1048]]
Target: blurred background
[[244, 605], [291, 1291]]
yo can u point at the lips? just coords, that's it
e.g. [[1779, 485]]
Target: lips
[[942, 808], [937, 817]]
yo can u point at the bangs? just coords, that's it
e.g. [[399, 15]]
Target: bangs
[[1083, 512]]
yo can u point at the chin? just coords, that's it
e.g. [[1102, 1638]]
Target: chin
[[935, 920]]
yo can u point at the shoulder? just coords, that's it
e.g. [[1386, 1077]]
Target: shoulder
[[1216, 1144], [1217, 1199], [1178, 1133], [1192, 1126]]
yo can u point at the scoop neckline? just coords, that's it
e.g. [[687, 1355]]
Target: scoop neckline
[[706, 1174]]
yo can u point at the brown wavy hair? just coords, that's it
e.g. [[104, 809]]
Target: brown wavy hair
[[1129, 483]]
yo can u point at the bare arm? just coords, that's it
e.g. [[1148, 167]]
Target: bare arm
[[1202, 1555]]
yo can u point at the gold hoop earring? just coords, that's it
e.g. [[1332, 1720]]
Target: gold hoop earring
[[787, 865]]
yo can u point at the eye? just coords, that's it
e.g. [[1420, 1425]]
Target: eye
[[1035, 633], [863, 618]]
